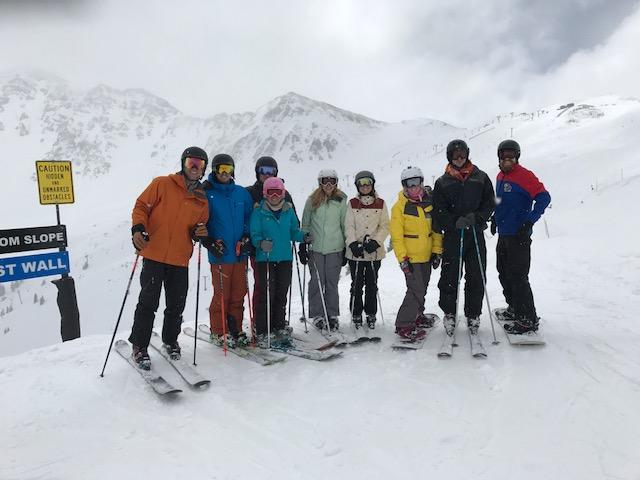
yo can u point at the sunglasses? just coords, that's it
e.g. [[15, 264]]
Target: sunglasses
[[329, 181], [274, 192], [362, 182], [413, 182], [192, 162], [224, 168], [271, 171]]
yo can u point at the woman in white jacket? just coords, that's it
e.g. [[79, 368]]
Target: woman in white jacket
[[366, 229]]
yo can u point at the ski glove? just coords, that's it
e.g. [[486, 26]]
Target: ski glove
[[435, 260], [370, 245], [140, 240], [344, 256], [266, 245], [526, 229], [303, 254], [406, 267], [199, 232], [466, 221], [357, 249], [244, 247], [493, 227], [216, 247], [308, 238]]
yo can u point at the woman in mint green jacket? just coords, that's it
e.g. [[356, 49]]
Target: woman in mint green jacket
[[323, 218]]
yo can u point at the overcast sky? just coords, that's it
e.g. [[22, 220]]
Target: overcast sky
[[460, 61]]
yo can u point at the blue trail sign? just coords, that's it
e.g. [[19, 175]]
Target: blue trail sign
[[32, 266]]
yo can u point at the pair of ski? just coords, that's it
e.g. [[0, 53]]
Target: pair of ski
[[263, 356], [340, 339], [477, 349], [159, 384]]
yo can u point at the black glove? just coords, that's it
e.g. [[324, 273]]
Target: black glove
[[308, 238], [199, 232], [406, 267], [493, 226], [266, 245], [357, 249], [466, 221], [370, 245], [303, 254], [526, 229], [216, 247], [435, 260], [244, 247], [344, 257]]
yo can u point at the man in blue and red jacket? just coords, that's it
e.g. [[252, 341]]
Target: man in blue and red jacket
[[521, 201]]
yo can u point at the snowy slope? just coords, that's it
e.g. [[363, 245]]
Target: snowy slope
[[568, 410]]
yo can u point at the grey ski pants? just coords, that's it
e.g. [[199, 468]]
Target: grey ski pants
[[327, 267], [413, 303]]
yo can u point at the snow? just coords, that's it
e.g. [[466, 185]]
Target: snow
[[565, 410]]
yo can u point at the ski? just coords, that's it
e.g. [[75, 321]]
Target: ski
[[341, 339], [309, 354], [446, 349], [531, 338], [363, 334], [186, 371], [324, 344], [477, 349], [255, 355], [159, 384]]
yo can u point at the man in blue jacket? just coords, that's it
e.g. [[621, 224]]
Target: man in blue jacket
[[521, 201], [230, 208]]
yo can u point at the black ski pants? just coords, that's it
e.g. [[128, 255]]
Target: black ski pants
[[176, 283], [279, 283], [513, 262], [364, 276], [473, 286]]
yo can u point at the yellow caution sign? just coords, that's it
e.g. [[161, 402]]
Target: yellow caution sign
[[55, 182]]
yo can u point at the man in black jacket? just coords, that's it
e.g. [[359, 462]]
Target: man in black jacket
[[463, 200]]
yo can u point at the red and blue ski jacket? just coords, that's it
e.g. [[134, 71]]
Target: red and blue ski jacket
[[516, 193]]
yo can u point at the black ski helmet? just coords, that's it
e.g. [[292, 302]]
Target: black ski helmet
[[266, 162], [222, 159], [194, 152], [509, 145], [456, 144], [365, 174]]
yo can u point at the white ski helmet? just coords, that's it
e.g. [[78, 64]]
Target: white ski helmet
[[411, 172], [327, 173]]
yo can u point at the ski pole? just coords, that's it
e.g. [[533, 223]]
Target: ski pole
[[353, 295], [375, 276], [324, 305], [126, 294], [251, 318], [459, 279], [222, 312], [195, 339], [484, 284], [290, 290], [301, 287], [268, 305]]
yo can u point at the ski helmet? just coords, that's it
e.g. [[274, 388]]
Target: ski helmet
[[364, 174], [266, 162], [272, 183], [327, 173], [194, 152], [457, 144], [222, 159], [509, 145], [410, 172]]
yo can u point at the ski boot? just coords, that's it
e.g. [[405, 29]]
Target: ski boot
[[334, 324], [371, 322], [262, 340], [241, 340], [473, 324], [521, 326], [357, 321], [282, 339], [141, 357], [173, 349], [508, 315], [319, 323], [410, 332], [449, 322], [423, 321], [220, 340]]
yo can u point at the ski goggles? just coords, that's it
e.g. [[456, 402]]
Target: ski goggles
[[224, 168], [507, 155], [459, 155], [266, 170], [328, 181], [366, 181], [193, 162], [412, 182], [275, 192]]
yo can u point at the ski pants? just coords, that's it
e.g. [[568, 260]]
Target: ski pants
[[176, 283], [364, 276], [413, 303], [279, 283], [473, 286], [327, 269], [513, 261], [234, 288]]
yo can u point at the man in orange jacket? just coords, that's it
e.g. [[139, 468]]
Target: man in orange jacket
[[168, 216]]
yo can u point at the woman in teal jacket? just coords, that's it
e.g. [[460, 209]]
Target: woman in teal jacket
[[274, 225], [323, 218]]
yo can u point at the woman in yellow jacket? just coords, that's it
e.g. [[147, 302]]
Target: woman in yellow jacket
[[417, 247]]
